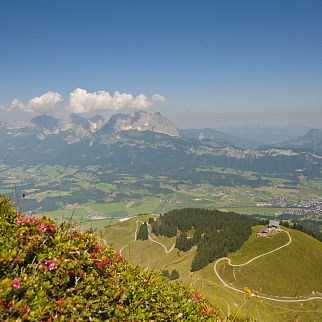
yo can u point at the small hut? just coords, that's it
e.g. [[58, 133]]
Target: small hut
[[263, 232], [274, 224]]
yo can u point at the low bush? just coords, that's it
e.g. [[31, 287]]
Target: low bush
[[55, 273]]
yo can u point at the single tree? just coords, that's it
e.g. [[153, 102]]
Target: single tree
[[143, 233], [174, 275]]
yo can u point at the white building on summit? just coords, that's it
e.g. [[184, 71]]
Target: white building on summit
[[274, 224]]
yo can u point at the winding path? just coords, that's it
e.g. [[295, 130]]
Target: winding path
[[253, 259], [123, 248], [290, 300], [167, 251]]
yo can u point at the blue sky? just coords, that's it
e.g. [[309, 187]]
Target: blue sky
[[215, 62]]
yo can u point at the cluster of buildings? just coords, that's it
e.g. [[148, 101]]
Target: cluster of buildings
[[276, 201], [273, 226]]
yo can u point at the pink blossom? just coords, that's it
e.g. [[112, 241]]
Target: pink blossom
[[33, 220], [20, 221], [51, 264], [42, 227], [196, 297], [16, 283], [102, 263], [99, 248], [94, 255], [51, 228], [25, 308]]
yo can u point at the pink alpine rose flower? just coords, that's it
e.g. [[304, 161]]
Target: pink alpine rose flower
[[42, 227], [16, 283], [99, 248], [51, 264], [52, 228], [20, 221], [196, 297]]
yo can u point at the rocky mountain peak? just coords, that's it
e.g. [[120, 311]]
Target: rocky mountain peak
[[141, 121], [314, 133], [312, 140], [45, 121], [77, 121]]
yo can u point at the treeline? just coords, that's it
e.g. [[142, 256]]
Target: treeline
[[303, 227], [314, 232], [215, 233]]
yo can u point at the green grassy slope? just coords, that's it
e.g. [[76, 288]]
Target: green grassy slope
[[295, 270]]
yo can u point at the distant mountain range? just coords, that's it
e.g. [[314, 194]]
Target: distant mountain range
[[143, 142], [78, 126], [53, 124], [249, 136], [218, 137], [312, 140]]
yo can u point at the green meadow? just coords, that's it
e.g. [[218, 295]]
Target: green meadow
[[270, 275]]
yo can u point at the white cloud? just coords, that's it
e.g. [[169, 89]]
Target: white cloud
[[158, 98], [81, 101], [141, 101], [42, 103]]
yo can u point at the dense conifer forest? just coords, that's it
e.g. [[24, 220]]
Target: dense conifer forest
[[214, 233]]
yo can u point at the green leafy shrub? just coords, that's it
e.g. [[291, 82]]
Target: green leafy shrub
[[174, 275], [54, 273]]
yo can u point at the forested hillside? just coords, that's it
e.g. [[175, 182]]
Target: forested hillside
[[215, 233]]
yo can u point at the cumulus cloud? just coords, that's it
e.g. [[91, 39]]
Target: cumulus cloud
[[42, 103], [158, 98], [81, 101]]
